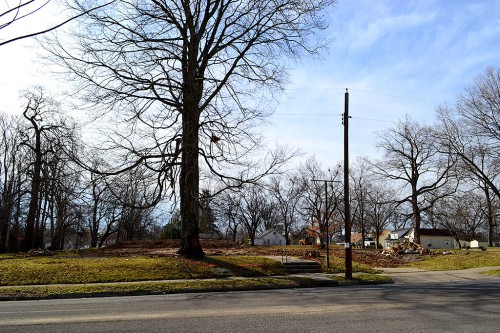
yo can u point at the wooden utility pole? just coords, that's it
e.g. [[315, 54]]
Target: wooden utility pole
[[348, 248]]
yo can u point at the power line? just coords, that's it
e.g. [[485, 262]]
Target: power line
[[368, 92], [333, 114], [397, 96], [373, 119], [307, 114]]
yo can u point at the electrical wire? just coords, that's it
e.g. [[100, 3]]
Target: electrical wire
[[367, 92]]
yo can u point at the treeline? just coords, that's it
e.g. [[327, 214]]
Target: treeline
[[440, 175], [48, 200], [56, 191]]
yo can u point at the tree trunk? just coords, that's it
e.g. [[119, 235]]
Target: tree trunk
[[29, 236], [189, 182], [491, 215], [378, 232], [94, 226], [189, 186], [416, 222], [58, 239]]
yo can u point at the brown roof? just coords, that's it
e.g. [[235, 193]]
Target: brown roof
[[355, 237]]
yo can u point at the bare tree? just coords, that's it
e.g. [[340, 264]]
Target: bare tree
[[317, 207], [360, 179], [471, 213], [129, 192], [226, 210], [97, 204], [44, 127], [190, 79], [61, 189], [471, 131], [9, 184], [287, 191], [251, 208], [381, 206], [465, 215], [412, 158], [208, 223], [18, 11]]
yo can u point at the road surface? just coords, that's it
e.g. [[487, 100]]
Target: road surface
[[465, 306]]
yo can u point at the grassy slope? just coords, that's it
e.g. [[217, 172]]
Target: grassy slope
[[460, 260], [72, 269], [69, 268]]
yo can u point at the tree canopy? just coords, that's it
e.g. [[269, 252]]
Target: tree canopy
[[190, 80]]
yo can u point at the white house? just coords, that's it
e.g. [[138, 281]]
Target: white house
[[270, 237], [395, 237], [429, 238], [434, 238]]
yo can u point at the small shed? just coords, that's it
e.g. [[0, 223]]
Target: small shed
[[474, 244], [468, 242], [270, 237]]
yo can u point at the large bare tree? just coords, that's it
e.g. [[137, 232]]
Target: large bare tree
[[470, 130], [413, 159], [10, 139], [188, 79], [45, 134]]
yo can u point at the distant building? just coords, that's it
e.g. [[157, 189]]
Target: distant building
[[473, 243], [395, 237], [270, 237], [429, 238]]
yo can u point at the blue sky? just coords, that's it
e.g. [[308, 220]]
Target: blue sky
[[396, 57]]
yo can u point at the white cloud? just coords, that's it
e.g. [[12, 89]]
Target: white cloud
[[397, 58], [424, 50]]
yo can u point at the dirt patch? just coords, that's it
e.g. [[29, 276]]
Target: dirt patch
[[159, 248]]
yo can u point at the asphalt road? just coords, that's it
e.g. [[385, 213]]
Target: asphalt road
[[466, 306]]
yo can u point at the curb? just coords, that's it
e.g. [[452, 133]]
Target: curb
[[348, 283], [309, 281]]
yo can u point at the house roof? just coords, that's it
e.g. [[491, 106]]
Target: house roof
[[435, 232], [384, 234], [401, 232], [356, 237], [467, 238], [267, 232]]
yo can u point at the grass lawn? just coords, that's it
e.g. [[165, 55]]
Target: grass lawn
[[68, 274], [73, 269], [366, 279], [460, 259], [337, 265], [149, 288]]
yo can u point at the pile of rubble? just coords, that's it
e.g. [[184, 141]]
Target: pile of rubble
[[407, 248], [38, 253]]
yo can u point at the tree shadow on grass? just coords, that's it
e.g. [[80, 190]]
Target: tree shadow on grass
[[246, 266]]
